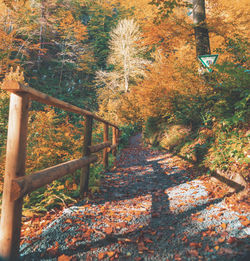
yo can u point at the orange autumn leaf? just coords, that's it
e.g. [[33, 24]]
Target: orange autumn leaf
[[111, 253], [147, 240], [64, 258], [101, 256], [184, 238], [245, 222], [193, 244], [221, 239], [108, 230], [224, 225]]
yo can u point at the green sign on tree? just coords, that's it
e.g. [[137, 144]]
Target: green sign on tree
[[208, 60]]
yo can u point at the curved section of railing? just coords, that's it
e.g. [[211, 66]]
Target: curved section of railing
[[16, 184]]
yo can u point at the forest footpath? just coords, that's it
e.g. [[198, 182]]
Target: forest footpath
[[148, 208]]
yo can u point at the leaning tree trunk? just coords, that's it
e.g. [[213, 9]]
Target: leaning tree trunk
[[200, 28]]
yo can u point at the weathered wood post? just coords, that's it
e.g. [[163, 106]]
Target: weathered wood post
[[10, 226], [117, 136], [84, 180], [105, 151], [114, 140]]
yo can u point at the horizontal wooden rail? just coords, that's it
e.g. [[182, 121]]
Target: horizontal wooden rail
[[26, 184], [98, 147], [15, 87], [16, 183]]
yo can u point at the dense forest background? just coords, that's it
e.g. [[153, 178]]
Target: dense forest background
[[134, 63]]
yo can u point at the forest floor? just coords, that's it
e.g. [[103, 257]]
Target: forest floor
[[149, 207]]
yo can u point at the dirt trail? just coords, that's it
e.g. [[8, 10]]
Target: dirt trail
[[147, 209]]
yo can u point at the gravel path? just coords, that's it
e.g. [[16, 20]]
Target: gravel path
[[146, 210]]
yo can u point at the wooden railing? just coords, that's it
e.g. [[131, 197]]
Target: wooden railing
[[16, 184]]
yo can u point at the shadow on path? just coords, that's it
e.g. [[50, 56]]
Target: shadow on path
[[143, 173]]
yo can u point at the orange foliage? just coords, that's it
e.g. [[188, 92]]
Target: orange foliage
[[175, 67], [51, 141], [69, 27]]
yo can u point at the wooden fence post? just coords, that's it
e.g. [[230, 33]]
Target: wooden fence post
[[84, 180], [105, 151], [117, 135], [114, 140], [10, 226]]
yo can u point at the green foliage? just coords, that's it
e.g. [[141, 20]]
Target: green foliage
[[218, 116], [229, 151], [126, 132], [100, 21], [4, 108], [173, 136], [51, 196], [151, 131]]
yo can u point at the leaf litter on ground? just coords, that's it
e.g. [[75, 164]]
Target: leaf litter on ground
[[150, 206]]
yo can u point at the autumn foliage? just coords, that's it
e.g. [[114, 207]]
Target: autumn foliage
[[133, 62]]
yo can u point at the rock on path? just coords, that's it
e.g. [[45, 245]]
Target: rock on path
[[146, 210]]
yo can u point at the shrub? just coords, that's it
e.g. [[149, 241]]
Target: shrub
[[174, 135]]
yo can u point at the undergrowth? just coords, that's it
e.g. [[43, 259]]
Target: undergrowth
[[211, 129], [52, 140]]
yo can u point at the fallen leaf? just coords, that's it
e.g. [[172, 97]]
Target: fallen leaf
[[245, 223], [147, 240], [54, 249], [184, 238], [227, 251], [224, 225], [193, 244], [64, 258], [231, 240], [101, 256], [177, 257], [221, 239], [111, 253], [207, 248], [108, 230]]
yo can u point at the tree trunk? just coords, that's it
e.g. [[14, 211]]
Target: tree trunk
[[200, 28]]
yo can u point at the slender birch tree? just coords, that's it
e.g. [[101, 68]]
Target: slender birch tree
[[126, 57]]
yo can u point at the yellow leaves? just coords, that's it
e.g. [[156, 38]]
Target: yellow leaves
[[94, 189], [200, 219], [69, 27], [51, 142], [110, 253], [60, 187], [224, 225], [74, 186]]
